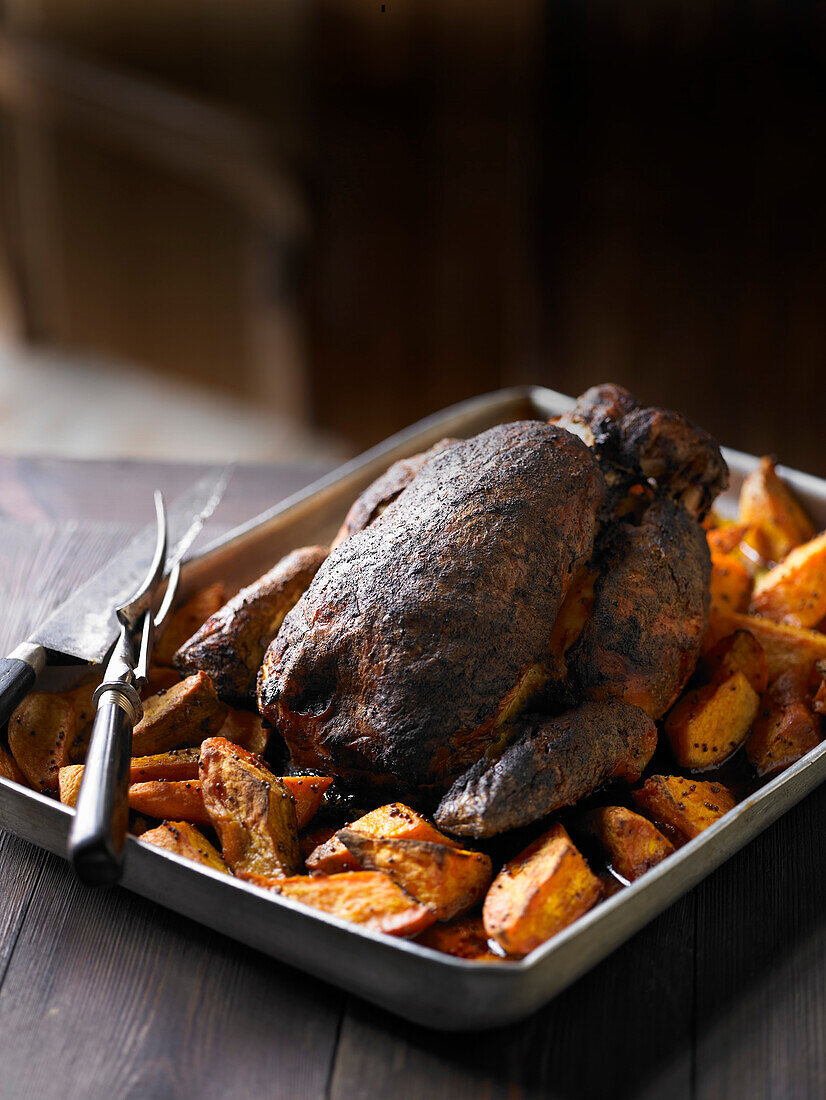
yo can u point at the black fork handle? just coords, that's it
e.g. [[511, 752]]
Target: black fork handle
[[98, 833]]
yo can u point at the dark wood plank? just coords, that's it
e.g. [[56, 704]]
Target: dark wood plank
[[625, 1029], [761, 954], [123, 998]]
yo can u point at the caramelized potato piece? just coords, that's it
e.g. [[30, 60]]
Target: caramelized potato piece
[[783, 645], [231, 644], [727, 537], [367, 898], [794, 592], [10, 770], [712, 722], [40, 734], [246, 729], [447, 880], [739, 652], [184, 715], [787, 727], [730, 583], [81, 698], [464, 937], [683, 807], [393, 820], [185, 840], [633, 845], [766, 502], [177, 765], [158, 680], [307, 792], [171, 799], [186, 619], [252, 811], [538, 893]]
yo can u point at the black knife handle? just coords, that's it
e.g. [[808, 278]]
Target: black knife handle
[[98, 832], [17, 679]]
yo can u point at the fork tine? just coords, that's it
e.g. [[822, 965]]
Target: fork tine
[[134, 607]]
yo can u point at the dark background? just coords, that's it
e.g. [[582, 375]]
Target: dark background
[[356, 216]]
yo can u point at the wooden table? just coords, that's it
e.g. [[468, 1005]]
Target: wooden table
[[103, 994]]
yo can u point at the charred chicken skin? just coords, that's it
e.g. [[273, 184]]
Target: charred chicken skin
[[503, 630]]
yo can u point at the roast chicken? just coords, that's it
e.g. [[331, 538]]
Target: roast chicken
[[502, 619]]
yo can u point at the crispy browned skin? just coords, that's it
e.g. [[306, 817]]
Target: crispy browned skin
[[552, 762], [384, 490], [231, 644], [635, 443], [649, 614], [421, 635]]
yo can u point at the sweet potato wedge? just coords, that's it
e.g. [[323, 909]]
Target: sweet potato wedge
[[787, 727], [683, 808], [465, 937], [178, 765], [727, 537], [188, 618], [185, 840], [447, 880], [246, 729], [367, 898], [392, 820], [767, 503], [307, 792], [9, 769], [252, 811], [314, 838], [40, 735], [171, 799], [710, 723], [794, 592], [185, 714], [730, 583], [784, 645], [231, 644], [631, 842], [538, 893], [739, 652]]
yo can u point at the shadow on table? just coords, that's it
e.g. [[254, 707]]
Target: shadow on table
[[684, 999]]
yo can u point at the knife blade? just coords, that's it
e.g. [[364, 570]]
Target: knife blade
[[83, 628]]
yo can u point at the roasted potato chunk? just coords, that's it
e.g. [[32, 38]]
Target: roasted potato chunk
[[538, 893], [767, 503], [314, 838], [465, 937], [158, 680], [186, 619], [819, 697], [794, 592], [787, 727], [683, 808], [186, 714], [246, 729], [368, 898], [41, 732], [185, 840], [632, 844], [784, 645], [727, 537], [393, 820], [447, 880], [739, 652], [712, 722], [730, 583], [172, 799], [231, 644], [178, 765], [8, 768], [307, 792], [252, 811]]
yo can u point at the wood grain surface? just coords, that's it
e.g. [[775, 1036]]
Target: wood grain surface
[[103, 994]]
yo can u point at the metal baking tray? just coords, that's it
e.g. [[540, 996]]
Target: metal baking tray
[[416, 982]]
